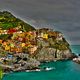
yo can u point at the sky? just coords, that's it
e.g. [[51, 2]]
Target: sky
[[60, 15]]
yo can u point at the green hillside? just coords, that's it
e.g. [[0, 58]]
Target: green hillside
[[7, 21]]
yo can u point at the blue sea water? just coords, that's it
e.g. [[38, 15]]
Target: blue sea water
[[64, 70]]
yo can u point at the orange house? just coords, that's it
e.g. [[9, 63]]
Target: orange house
[[1, 41]]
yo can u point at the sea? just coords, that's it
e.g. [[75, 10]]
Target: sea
[[62, 70]]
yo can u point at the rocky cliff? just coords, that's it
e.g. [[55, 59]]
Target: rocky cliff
[[52, 46]]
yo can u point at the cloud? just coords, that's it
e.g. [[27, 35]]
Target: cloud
[[62, 15]]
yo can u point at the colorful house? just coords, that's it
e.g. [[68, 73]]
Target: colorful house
[[1, 41], [11, 31]]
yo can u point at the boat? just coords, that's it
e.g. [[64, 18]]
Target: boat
[[27, 70], [33, 70], [49, 68], [38, 70], [44, 69]]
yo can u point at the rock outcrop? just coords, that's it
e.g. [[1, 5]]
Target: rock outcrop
[[55, 47], [50, 54]]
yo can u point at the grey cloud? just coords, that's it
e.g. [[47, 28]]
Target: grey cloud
[[63, 15]]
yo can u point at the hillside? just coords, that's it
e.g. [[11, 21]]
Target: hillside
[[7, 21]]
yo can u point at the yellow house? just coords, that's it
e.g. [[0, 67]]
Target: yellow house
[[7, 48], [23, 44], [45, 36]]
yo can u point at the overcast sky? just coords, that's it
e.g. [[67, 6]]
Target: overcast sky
[[61, 15]]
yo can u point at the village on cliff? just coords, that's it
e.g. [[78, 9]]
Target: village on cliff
[[22, 47]]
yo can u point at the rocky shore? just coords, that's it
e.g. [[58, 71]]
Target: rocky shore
[[77, 59], [51, 47]]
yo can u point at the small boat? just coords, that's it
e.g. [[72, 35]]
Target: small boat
[[49, 68], [33, 70], [44, 69], [38, 70], [27, 70]]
